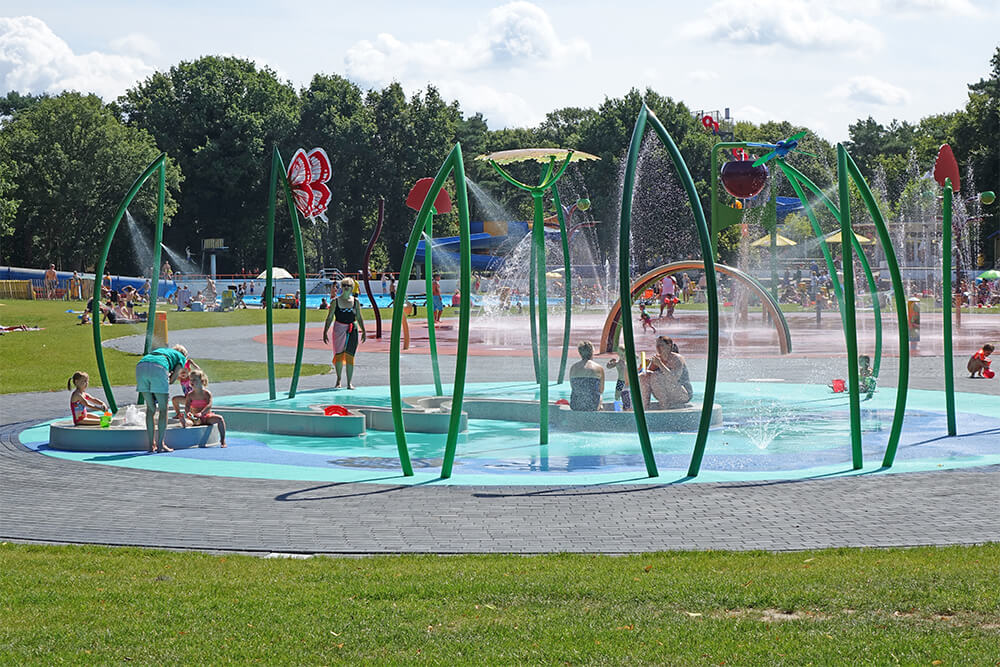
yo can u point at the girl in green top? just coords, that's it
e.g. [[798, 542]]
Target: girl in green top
[[153, 375]]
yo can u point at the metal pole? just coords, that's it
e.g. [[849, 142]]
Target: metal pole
[[567, 278], [850, 329], [268, 296], [947, 306]]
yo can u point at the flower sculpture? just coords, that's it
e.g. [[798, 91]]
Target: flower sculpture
[[307, 177]]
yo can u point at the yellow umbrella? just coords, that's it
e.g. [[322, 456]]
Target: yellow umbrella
[[765, 242], [835, 238], [536, 154]]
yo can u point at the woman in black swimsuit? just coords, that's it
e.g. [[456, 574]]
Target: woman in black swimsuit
[[347, 323]]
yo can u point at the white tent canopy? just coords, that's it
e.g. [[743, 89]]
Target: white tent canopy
[[277, 272]]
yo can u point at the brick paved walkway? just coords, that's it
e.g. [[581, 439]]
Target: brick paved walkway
[[47, 499]]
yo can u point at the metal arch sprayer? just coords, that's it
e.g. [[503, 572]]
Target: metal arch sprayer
[[646, 116], [159, 164], [452, 164]]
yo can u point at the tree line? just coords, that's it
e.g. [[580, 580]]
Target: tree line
[[66, 160]]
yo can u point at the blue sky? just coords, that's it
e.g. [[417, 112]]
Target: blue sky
[[820, 64]]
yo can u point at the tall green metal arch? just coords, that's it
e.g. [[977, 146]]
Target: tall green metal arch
[[452, 164], [797, 180], [159, 164], [646, 116], [278, 172]]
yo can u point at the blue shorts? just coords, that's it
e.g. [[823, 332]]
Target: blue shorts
[[438, 302], [151, 377]]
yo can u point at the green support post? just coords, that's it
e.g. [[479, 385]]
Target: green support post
[[902, 383], [567, 283], [533, 324], [549, 177], [268, 297], [297, 234], [429, 288], [853, 382], [947, 303], [278, 171], [158, 163]]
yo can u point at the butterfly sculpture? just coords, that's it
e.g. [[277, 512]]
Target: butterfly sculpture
[[780, 149], [307, 176]]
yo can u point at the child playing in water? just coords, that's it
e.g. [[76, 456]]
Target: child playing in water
[[979, 363], [622, 392], [184, 378], [647, 322], [866, 377], [80, 400], [198, 407]]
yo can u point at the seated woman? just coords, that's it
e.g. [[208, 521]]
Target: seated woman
[[666, 377], [586, 377]]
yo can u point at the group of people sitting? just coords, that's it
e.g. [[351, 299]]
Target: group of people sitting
[[664, 375]]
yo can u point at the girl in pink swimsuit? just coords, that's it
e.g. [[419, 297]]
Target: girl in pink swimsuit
[[80, 400], [198, 406]]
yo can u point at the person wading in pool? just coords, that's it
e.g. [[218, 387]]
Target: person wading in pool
[[347, 323]]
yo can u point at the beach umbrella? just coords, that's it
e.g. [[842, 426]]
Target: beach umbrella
[[835, 238], [765, 241], [277, 272], [992, 274]]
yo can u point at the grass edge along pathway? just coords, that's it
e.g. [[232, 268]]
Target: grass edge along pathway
[[44, 360], [860, 606]]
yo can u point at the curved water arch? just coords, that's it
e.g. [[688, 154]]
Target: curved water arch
[[453, 163], [646, 116], [159, 164], [611, 325]]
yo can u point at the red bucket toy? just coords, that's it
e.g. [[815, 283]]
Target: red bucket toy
[[839, 386], [988, 374], [335, 411]]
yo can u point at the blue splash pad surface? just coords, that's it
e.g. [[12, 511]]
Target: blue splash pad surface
[[770, 431]]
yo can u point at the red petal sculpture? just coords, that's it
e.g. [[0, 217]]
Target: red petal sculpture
[[442, 204], [307, 176], [947, 167]]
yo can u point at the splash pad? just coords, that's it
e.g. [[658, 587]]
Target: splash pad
[[771, 431], [499, 433]]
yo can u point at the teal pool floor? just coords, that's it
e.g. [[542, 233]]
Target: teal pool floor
[[771, 431]]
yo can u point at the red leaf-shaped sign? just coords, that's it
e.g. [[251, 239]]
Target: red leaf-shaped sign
[[442, 203], [947, 167]]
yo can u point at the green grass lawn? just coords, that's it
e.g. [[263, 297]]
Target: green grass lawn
[[44, 360], [843, 606]]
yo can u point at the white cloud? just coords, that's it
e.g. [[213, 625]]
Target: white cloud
[[501, 109], [920, 7], [805, 25], [518, 34], [869, 90], [136, 44], [511, 38], [34, 59]]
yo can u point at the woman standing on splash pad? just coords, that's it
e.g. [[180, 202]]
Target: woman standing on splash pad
[[347, 323]]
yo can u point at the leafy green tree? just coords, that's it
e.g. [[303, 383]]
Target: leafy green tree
[[412, 140], [72, 162], [219, 117]]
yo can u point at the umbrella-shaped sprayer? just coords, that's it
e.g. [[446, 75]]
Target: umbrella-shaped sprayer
[[555, 161]]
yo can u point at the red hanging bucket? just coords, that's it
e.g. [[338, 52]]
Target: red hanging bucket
[[839, 386]]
